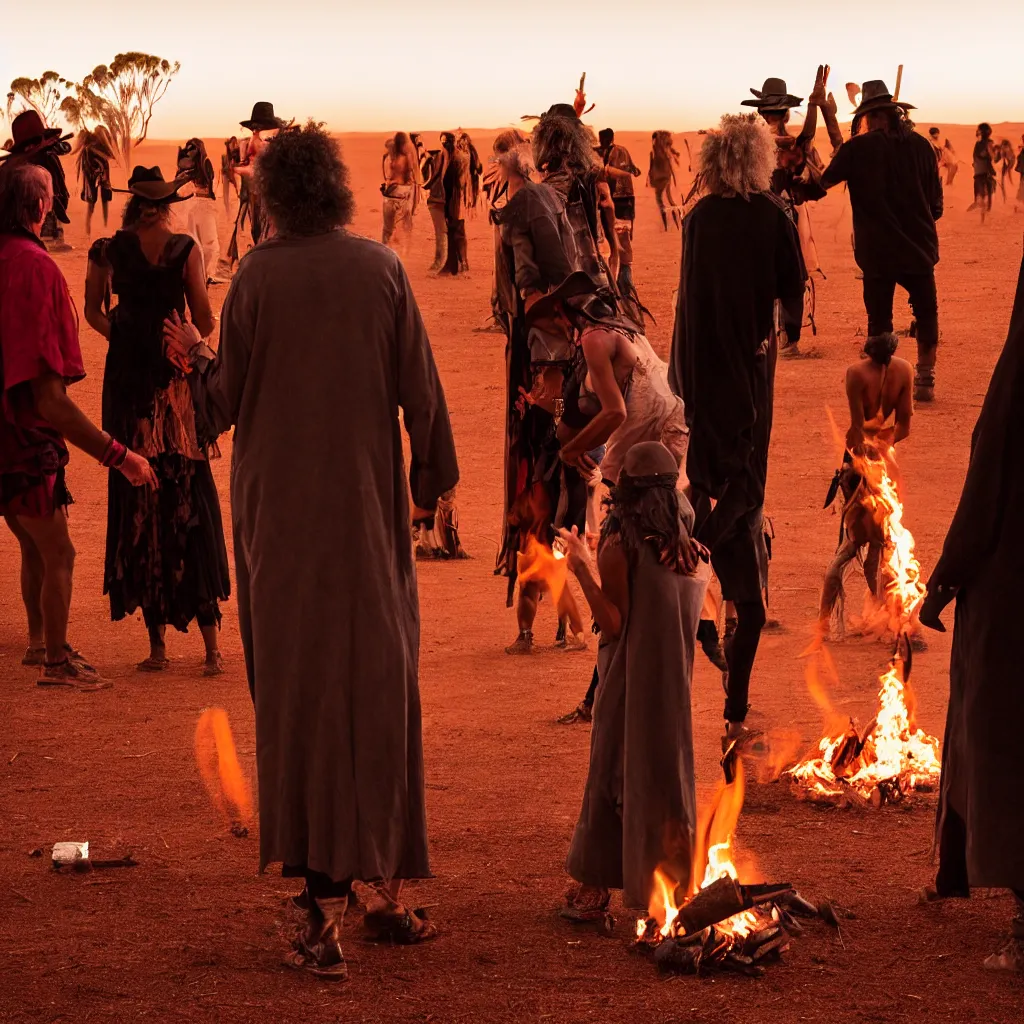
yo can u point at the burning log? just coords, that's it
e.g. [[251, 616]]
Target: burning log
[[722, 899]]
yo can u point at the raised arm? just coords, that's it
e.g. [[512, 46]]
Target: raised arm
[[433, 469], [609, 598]]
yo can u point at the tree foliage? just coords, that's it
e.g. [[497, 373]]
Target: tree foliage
[[121, 96], [44, 95]]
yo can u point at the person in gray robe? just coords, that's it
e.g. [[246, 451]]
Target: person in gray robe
[[639, 807], [980, 825], [321, 343]]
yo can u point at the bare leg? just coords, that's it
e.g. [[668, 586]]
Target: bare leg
[[89, 208], [212, 649], [32, 571], [52, 541], [526, 612], [569, 609], [157, 643], [106, 211], [832, 591]]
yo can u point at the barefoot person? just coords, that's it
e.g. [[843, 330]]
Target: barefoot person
[[740, 256], [401, 173], [165, 550], [639, 806], [896, 197], [661, 176], [879, 390], [39, 357], [328, 608], [980, 824]]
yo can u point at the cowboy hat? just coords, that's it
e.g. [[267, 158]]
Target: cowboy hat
[[30, 135], [148, 183], [876, 96], [650, 461], [263, 118], [773, 95], [576, 284]]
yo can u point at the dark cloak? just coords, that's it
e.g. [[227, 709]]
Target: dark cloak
[[982, 566], [739, 256]]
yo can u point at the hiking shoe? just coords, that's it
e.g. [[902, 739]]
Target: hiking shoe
[[523, 643]]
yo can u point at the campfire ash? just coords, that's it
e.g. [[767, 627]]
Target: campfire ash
[[892, 757], [714, 922]]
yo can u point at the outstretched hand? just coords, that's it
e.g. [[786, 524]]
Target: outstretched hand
[[819, 94], [931, 608], [686, 556]]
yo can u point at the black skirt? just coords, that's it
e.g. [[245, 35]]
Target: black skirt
[[165, 548]]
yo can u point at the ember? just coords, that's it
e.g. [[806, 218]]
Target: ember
[[892, 757], [714, 922], [221, 772]]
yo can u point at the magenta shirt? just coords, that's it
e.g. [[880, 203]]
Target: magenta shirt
[[38, 335]]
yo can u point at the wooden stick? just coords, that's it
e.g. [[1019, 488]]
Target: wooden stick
[[899, 82]]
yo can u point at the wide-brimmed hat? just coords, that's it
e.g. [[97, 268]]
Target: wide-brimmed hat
[[263, 118], [576, 284], [773, 95], [148, 183], [875, 95], [29, 135]]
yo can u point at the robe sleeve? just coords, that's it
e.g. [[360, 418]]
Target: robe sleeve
[[36, 314], [433, 469], [790, 276], [217, 391], [839, 169]]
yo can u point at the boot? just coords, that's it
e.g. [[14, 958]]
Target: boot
[[924, 383]]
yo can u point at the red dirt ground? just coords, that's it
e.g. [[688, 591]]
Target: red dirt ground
[[190, 934]]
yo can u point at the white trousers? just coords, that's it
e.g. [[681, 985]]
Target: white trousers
[[202, 226]]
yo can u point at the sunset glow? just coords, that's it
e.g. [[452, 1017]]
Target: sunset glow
[[432, 66]]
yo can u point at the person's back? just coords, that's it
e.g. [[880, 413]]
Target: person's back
[[883, 396], [732, 276], [896, 197]]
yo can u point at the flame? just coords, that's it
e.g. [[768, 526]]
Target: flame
[[539, 563], [712, 859], [893, 750], [219, 767]]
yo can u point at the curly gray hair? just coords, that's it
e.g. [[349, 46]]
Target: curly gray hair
[[738, 157]]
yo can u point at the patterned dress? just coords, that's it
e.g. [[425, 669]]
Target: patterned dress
[[165, 548]]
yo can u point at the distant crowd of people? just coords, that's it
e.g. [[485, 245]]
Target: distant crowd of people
[[323, 515]]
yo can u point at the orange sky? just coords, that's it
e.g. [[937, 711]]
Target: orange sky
[[432, 65]]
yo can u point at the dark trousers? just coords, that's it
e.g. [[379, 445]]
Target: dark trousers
[[879, 292]]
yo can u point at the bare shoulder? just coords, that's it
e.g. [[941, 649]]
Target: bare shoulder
[[902, 369]]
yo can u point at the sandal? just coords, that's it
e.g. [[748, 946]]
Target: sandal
[[1009, 957], [152, 664], [585, 903], [74, 674], [583, 712], [400, 925], [215, 667]]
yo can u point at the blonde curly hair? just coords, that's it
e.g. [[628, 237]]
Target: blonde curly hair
[[738, 157]]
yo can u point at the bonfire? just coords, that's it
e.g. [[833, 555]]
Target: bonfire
[[893, 756], [712, 921]]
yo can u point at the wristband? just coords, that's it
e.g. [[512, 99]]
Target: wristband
[[114, 455]]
